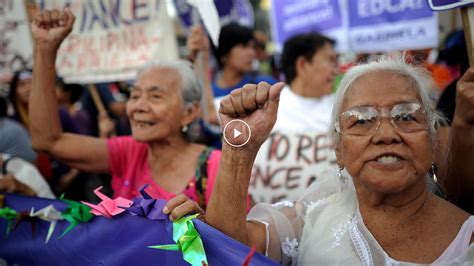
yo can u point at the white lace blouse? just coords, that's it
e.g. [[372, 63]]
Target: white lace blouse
[[325, 227]]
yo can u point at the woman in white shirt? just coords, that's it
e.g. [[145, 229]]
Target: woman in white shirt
[[377, 209]]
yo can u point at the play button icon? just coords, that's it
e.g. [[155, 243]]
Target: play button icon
[[237, 133]]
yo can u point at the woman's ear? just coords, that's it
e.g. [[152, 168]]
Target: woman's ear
[[191, 113], [299, 65]]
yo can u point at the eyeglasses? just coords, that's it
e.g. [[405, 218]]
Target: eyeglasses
[[365, 120]]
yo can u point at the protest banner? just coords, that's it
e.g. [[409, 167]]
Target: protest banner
[[121, 240], [290, 17], [239, 11], [111, 39], [440, 5], [16, 48], [288, 163], [389, 25]]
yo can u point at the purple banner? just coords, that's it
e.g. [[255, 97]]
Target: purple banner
[[291, 17], [372, 12], [122, 240], [229, 11], [439, 5]]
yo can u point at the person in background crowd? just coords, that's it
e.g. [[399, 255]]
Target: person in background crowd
[[309, 63], [78, 185], [21, 177], [377, 209], [454, 104], [14, 139], [162, 109], [68, 95], [20, 88], [264, 59], [113, 101], [236, 57], [440, 73], [454, 54]]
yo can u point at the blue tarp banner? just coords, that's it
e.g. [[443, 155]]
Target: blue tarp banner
[[122, 240]]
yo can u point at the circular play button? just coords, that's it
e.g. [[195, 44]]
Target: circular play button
[[237, 133]]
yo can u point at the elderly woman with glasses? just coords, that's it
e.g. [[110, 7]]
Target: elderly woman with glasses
[[377, 209]]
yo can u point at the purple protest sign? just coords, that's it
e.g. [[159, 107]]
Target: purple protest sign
[[370, 12], [439, 5], [229, 10], [391, 25], [291, 17]]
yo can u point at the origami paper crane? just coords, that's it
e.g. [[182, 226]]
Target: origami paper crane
[[49, 214], [147, 206], [75, 214], [10, 215], [108, 207], [188, 241]]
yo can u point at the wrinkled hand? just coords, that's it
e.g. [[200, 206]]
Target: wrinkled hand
[[257, 105], [197, 42], [181, 205], [50, 27], [11, 185], [464, 113]]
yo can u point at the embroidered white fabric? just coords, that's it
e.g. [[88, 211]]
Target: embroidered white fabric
[[325, 227]]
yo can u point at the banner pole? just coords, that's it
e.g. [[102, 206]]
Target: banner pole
[[467, 14], [199, 63], [97, 100]]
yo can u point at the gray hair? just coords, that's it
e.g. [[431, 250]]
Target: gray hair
[[191, 89], [420, 78]]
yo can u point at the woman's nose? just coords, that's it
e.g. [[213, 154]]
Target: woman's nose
[[386, 132], [140, 104]]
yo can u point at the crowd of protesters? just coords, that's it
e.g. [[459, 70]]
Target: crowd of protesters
[[156, 131]]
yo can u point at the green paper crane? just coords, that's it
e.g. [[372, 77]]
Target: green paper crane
[[10, 215], [188, 241], [75, 214]]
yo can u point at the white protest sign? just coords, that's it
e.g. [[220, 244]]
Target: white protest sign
[[288, 163], [111, 39], [16, 48]]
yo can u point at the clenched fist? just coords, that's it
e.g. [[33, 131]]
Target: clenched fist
[[257, 105], [50, 27], [197, 42]]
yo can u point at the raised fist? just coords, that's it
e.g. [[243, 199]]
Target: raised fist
[[256, 105], [464, 113], [197, 42], [50, 27]]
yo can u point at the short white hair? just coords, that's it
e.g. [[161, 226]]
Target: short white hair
[[420, 78]]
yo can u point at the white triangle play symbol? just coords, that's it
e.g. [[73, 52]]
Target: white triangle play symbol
[[236, 133]]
